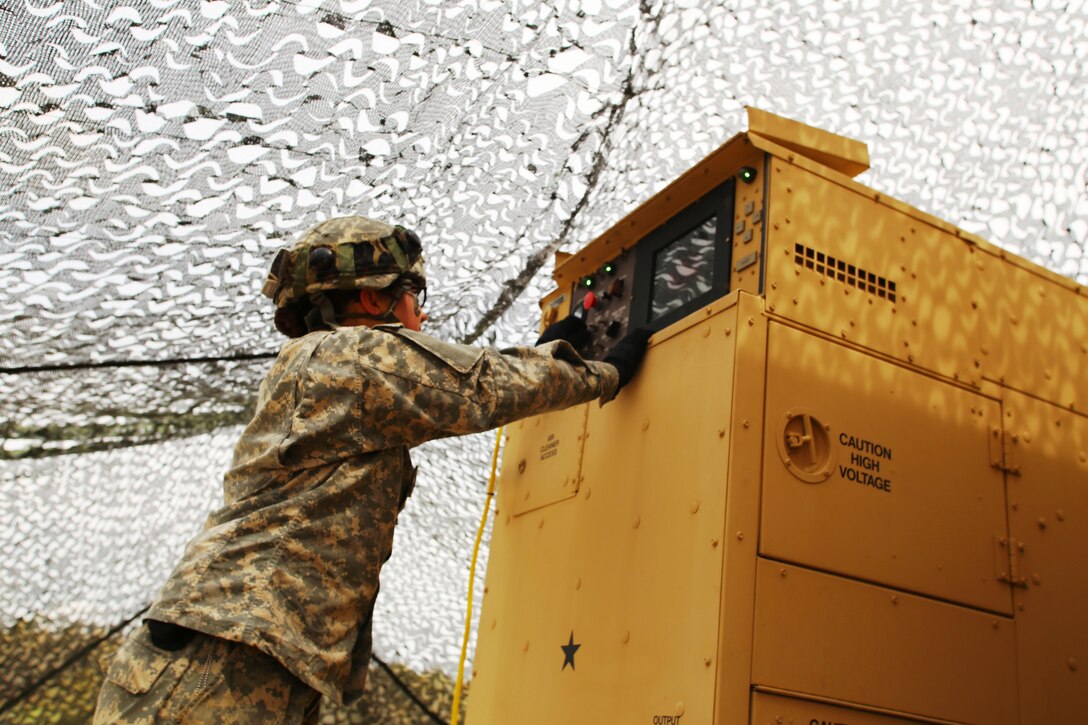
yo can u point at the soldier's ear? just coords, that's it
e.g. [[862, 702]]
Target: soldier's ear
[[373, 302]]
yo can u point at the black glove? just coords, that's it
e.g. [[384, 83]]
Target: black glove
[[626, 355], [570, 328]]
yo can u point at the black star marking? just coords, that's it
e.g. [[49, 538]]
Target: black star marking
[[568, 652]]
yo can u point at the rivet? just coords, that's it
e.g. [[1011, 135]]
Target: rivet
[[782, 572], [751, 322], [526, 647], [996, 624], [1036, 579], [645, 424], [707, 661], [746, 424], [706, 332], [695, 507], [1041, 522], [521, 466], [626, 636], [1072, 664], [636, 522], [728, 332], [589, 492], [578, 583], [679, 709], [493, 623], [721, 432], [770, 308], [714, 543], [795, 300], [895, 599], [541, 524], [740, 536], [1059, 515]]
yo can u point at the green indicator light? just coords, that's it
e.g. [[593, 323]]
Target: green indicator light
[[588, 282], [747, 174], [608, 268]]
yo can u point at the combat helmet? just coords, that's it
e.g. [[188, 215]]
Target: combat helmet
[[345, 253]]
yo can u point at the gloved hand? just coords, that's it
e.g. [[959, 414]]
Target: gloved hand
[[570, 328], [626, 355]]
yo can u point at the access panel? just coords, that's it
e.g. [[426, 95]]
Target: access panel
[[880, 473], [1047, 453], [832, 637], [540, 464]]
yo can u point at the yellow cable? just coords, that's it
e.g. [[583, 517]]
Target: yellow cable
[[456, 710]]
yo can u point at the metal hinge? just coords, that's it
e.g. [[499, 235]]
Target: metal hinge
[[1007, 561], [998, 446]]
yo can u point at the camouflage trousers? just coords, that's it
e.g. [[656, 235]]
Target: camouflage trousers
[[209, 680]]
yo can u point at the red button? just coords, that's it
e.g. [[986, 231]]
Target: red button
[[590, 301]]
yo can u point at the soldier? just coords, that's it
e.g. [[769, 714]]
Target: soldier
[[271, 604]]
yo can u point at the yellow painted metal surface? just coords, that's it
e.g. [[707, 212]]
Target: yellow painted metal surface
[[910, 499], [1048, 448], [736, 612], [853, 489], [601, 569], [832, 636], [845, 155], [749, 214], [878, 277], [1033, 335], [542, 460]]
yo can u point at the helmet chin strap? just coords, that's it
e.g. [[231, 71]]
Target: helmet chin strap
[[322, 314]]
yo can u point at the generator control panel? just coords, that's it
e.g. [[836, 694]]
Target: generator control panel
[[603, 300], [677, 268]]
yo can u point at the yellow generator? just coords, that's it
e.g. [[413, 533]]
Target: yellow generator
[[849, 485]]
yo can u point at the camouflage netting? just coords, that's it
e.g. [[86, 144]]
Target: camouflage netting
[[155, 153]]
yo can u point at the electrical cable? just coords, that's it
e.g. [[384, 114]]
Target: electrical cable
[[455, 709]]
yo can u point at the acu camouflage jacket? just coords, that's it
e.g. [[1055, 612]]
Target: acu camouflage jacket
[[290, 563]]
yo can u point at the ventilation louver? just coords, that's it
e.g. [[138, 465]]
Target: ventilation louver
[[839, 270]]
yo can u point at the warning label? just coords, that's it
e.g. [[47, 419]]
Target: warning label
[[866, 459]]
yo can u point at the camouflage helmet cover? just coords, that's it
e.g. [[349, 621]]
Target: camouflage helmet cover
[[344, 253]]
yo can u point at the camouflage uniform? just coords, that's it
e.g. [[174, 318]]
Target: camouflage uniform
[[289, 566]]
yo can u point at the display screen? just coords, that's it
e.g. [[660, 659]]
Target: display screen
[[683, 270]]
